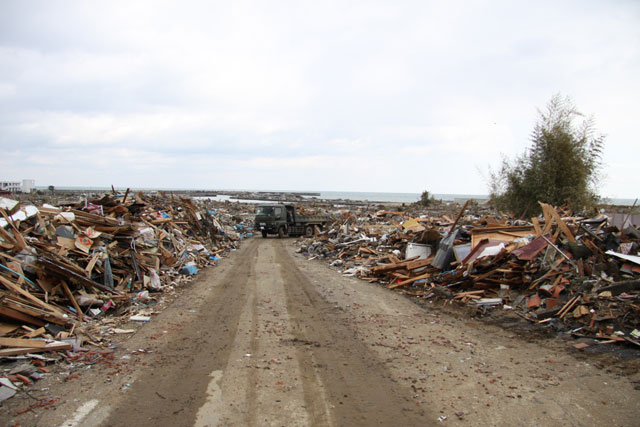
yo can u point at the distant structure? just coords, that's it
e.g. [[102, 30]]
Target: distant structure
[[18, 187], [28, 185], [479, 200]]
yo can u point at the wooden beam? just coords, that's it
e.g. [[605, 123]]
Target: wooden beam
[[89, 268], [46, 316], [553, 214], [19, 342], [536, 226], [67, 291], [409, 281], [20, 317], [55, 346], [394, 266]]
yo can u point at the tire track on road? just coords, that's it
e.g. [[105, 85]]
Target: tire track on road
[[359, 389], [175, 386]]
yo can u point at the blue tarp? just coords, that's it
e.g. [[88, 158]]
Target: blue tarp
[[189, 269]]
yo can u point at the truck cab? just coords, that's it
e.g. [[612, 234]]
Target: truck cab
[[271, 219], [283, 220]]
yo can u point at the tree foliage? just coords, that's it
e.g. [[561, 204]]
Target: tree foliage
[[425, 199], [561, 167]]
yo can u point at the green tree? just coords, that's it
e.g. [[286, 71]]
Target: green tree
[[425, 200], [561, 167]]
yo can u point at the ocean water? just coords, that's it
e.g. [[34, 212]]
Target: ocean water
[[359, 195], [414, 197], [393, 197]]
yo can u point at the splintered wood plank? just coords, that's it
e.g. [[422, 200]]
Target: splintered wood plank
[[483, 276], [409, 281], [551, 214], [67, 291], [18, 269], [27, 295], [468, 293], [419, 263], [62, 270], [394, 265], [10, 242], [44, 315], [55, 346], [6, 328], [36, 333], [19, 240], [20, 317], [536, 226], [367, 250], [20, 342], [92, 264]]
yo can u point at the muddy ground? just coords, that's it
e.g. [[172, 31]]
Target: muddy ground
[[269, 338]]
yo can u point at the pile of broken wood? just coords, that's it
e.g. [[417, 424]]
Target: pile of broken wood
[[577, 274], [63, 267]]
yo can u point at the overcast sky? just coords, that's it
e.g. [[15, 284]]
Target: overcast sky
[[390, 96]]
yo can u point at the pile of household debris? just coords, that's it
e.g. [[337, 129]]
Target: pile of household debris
[[71, 274], [577, 274]]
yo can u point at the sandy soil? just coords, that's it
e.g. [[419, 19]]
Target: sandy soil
[[269, 338]]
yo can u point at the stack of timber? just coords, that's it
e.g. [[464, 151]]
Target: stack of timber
[[65, 268]]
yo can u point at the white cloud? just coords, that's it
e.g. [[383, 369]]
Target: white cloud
[[377, 96]]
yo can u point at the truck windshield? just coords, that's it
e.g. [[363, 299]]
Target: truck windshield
[[264, 210]]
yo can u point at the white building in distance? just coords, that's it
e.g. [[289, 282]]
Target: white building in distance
[[18, 187], [28, 185]]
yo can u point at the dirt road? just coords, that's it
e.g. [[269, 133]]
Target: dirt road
[[269, 338]]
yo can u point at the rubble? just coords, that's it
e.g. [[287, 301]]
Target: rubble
[[578, 275], [71, 274]]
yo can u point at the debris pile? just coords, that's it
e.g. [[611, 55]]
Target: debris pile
[[575, 273], [64, 268]]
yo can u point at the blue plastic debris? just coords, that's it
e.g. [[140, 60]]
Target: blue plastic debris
[[189, 269]]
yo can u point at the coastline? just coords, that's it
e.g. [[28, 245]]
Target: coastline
[[302, 196]]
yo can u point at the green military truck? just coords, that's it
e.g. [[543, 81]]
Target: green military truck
[[283, 220]]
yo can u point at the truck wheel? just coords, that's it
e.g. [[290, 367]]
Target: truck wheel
[[281, 232], [308, 231], [264, 234]]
